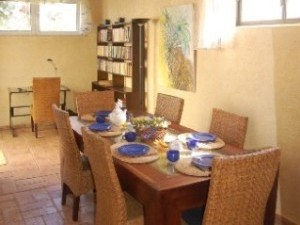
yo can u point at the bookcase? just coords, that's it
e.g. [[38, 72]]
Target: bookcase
[[121, 55]]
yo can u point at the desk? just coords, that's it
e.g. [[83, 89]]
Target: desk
[[27, 90], [164, 196]]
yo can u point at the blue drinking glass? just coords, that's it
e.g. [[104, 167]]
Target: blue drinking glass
[[130, 136], [191, 144], [173, 155]]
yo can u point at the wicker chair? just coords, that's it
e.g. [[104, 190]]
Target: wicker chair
[[76, 175], [230, 127], [93, 101], [239, 188], [170, 107], [113, 207], [45, 93]]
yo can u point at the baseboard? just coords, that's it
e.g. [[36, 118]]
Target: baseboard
[[4, 127], [284, 221], [49, 125], [15, 126]]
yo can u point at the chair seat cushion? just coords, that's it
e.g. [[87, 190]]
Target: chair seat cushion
[[85, 162], [193, 216]]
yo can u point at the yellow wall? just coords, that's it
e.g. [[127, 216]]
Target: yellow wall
[[24, 57], [257, 77], [286, 44]]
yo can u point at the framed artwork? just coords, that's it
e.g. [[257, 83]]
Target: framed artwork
[[176, 55]]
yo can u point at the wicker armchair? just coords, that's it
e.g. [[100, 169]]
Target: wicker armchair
[[239, 188], [93, 101], [113, 207], [45, 93], [170, 107], [76, 175], [230, 127]]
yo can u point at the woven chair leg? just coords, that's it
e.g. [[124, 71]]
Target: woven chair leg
[[32, 124], [76, 208], [65, 191], [36, 130]]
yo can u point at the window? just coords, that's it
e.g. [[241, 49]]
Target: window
[[58, 17], [39, 18], [15, 16], [268, 11]]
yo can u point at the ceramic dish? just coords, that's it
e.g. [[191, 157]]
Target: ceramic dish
[[133, 149], [203, 161], [203, 137], [99, 126], [200, 137]]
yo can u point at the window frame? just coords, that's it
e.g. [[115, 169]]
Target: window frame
[[34, 22], [281, 21]]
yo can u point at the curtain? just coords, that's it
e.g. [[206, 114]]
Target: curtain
[[218, 23], [86, 23]]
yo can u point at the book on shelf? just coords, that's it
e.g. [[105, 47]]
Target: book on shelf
[[102, 64], [122, 68], [127, 33], [121, 52], [102, 35], [121, 34]]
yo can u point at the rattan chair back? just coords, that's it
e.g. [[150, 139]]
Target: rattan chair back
[[112, 206], [170, 107], [240, 186], [45, 93], [230, 127], [76, 176], [93, 101]]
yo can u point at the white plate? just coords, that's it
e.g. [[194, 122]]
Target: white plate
[[169, 138]]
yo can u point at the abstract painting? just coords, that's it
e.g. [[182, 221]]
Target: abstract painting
[[176, 60]]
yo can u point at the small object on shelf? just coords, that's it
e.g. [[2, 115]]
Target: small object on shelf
[[121, 20], [105, 83], [107, 21]]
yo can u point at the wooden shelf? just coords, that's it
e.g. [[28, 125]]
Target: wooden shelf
[[121, 55]]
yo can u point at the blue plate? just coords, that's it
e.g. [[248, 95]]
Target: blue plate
[[99, 126], [103, 113], [133, 149], [204, 137], [203, 161]]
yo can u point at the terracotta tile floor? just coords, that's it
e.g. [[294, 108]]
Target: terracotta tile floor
[[30, 191]]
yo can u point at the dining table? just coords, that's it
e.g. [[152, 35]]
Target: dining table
[[163, 191]]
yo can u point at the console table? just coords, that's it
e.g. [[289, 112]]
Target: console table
[[26, 90]]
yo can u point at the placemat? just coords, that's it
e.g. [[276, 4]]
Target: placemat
[[110, 133], [186, 167], [2, 158], [151, 155], [89, 117], [219, 143]]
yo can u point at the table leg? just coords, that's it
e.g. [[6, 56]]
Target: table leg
[[153, 213], [63, 106]]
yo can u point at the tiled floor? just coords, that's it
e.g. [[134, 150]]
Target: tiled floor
[[30, 191]]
